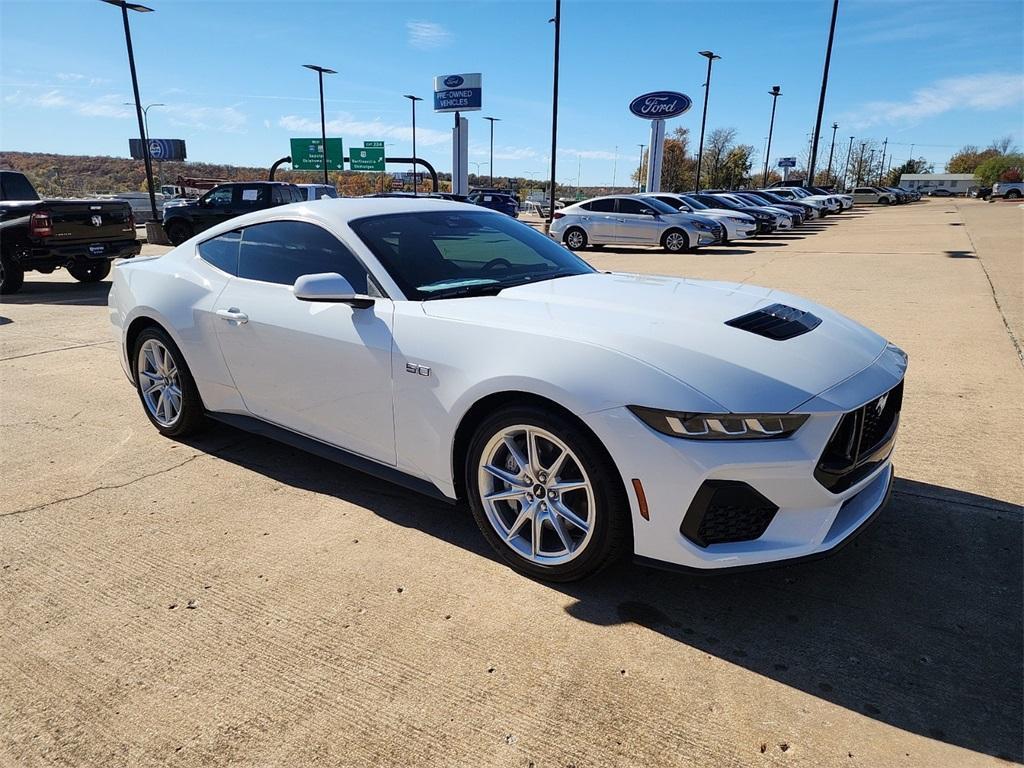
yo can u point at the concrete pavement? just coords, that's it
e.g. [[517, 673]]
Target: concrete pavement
[[230, 600]]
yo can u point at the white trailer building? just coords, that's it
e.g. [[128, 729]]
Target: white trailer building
[[956, 183]]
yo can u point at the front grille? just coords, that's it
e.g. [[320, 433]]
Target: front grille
[[725, 511], [777, 322], [862, 440]]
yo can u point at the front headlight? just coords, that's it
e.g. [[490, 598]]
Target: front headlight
[[720, 426], [704, 227]]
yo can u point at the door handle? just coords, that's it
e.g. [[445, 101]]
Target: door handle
[[233, 314]]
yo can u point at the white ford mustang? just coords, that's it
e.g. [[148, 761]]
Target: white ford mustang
[[580, 414]]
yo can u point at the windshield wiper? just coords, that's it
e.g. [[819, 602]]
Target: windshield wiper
[[487, 289]]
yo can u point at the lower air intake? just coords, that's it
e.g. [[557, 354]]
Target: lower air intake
[[725, 511]]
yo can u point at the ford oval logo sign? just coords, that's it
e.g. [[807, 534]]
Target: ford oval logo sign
[[660, 105], [453, 81]]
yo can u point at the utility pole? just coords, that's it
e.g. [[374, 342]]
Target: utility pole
[[775, 92], [490, 165], [881, 165], [557, 21], [860, 162], [828, 173], [710, 56], [615, 165], [824, 87]]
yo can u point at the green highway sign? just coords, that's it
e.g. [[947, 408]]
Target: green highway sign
[[374, 144], [308, 155], [366, 158]]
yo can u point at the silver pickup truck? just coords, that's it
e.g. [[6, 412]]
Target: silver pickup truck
[[1011, 190]]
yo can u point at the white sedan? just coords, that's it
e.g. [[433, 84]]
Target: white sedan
[[582, 415], [738, 226]]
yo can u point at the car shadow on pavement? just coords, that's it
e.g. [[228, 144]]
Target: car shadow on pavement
[[960, 254], [81, 294], [917, 623]]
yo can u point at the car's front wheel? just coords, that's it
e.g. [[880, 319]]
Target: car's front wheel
[[1013, 194], [546, 495], [12, 276], [675, 241], [165, 385], [178, 231]]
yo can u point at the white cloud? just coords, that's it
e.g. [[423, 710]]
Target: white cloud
[[503, 152], [228, 119], [426, 35], [346, 126], [990, 91], [70, 76], [590, 154]]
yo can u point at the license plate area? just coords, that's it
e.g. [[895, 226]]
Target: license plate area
[[97, 249]]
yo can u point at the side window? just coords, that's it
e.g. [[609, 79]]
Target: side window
[[220, 197], [282, 251], [629, 205], [252, 195], [298, 196], [586, 206], [604, 205], [277, 195], [222, 251]]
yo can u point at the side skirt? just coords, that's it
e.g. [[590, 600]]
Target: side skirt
[[330, 452]]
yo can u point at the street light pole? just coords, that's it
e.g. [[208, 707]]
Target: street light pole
[[881, 165], [860, 162], [490, 165], [775, 92], [710, 56], [846, 168], [831, 149], [557, 21], [125, 7], [415, 174], [824, 87], [321, 71], [640, 169]]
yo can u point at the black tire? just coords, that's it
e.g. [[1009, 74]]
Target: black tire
[[610, 518], [178, 231], [673, 244], [885, 201], [1013, 194], [191, 416], [89, 271], [12, 276], [575, 238]]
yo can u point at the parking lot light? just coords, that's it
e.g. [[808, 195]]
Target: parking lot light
[[557, 21], [828, 173], [710, 56], [147, 160], [321, 71], [490, 165], [640, 169], [775, 92], [415, 175], [824, 88]]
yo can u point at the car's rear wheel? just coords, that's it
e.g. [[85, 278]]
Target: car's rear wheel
[[1013, 194], [575, 238], [165, 385], [178, 231], [546, 495], [90, 271], [12, 276], [675, 241]]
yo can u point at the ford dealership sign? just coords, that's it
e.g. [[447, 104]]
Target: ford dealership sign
[[458, 93], [660, 105]]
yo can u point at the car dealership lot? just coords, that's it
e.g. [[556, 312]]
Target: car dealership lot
[[230, 599]]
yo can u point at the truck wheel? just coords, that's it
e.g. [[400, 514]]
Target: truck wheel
[[1013, 194], [12, 276], [178, 231], [90, 272]]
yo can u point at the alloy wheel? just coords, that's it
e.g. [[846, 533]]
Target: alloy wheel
[[575, 239], [159, 382], [675, 241], [536, 495]]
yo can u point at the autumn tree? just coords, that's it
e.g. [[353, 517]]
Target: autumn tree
[[1001, 168]]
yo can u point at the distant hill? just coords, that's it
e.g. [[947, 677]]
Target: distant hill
[[72, 175]]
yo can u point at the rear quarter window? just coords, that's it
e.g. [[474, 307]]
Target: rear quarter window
[[222, 251]]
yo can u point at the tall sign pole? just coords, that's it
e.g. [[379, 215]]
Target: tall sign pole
[[846, 167], [824, 87], [557, 20], [657, 106], [710, 56], [828, 173]]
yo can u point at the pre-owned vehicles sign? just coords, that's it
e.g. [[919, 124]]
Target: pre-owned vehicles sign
[[458, 93], [660, 105]]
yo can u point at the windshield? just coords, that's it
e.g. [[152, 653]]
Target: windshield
[[441, 254], [751, 198], [770, 197], [694, 203], [800, 192]]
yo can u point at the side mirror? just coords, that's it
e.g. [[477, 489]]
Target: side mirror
[[686, 208], [647, 212], [329, 287]]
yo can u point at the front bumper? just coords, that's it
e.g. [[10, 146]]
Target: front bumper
[[807, 519]]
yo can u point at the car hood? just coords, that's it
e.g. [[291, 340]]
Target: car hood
[[720, 212], [678, 326]]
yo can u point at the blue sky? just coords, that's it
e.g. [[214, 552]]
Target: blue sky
[[936, 74]]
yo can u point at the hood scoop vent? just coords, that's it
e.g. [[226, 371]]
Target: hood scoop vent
[[777, 322]]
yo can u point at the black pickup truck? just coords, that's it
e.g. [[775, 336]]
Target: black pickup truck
[[44, 235], [184, 220]]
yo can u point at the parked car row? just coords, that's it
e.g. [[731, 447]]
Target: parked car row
[[885, 195], [684, 222]]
